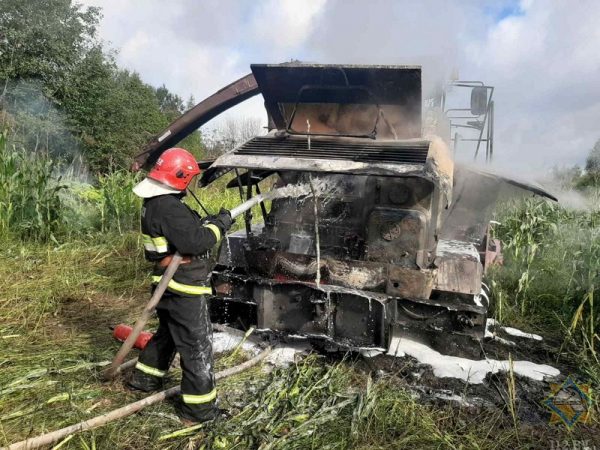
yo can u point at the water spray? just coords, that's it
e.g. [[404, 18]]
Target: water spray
[[317, 243], [296, 190]]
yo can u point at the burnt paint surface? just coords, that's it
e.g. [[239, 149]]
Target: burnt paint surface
[[355, 262], [377, 265]]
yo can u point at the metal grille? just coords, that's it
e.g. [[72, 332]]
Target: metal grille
[[368, 151]]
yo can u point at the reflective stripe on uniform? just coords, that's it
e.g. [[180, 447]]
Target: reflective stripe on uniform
[[148, 244], [215, 229], [161, 244], [184, 288], [150, 370], [155, 244], [198, 399]]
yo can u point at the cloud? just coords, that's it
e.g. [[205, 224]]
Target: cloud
[[281, 26], [175, 43], [541, 56], [545, 66]]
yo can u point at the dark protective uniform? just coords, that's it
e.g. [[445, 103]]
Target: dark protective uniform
[[168, 225]]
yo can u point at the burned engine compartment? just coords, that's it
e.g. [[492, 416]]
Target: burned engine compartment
[[369, 268], [353, 264], [359, 259]]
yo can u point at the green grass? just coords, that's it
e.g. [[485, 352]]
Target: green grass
[[55, 312]]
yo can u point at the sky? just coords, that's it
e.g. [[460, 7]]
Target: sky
[[542, 56]]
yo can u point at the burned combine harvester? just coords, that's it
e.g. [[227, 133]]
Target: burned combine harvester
[[361, 258], [364, 254]]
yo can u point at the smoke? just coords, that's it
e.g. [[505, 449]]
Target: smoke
[[560, 183], [557, 182], [398, 32], [36, 125], [575, 200]]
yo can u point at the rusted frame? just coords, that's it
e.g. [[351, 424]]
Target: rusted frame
[[222, 100]]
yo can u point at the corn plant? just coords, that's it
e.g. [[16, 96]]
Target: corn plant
[[511, 391], [30, 204], [119, 206], [552, 271]]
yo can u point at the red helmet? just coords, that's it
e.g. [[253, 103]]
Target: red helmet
[[175, 167]]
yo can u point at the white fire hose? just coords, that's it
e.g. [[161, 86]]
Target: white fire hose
[[247, 205]]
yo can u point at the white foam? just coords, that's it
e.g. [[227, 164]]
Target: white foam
[[285, 355], [462, 400], [370, 352], [224, 341], [519, 333], [508, 330], [281, 355], [448, 397], [317, 186], [471, 371], [504, 341], [297, 337], [477, 300], [456, 248], [488, 332]]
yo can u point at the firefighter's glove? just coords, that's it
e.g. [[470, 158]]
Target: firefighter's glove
[[223, 220], [208, 219]]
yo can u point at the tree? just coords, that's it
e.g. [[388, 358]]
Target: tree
[[591, 177], [231, 133], [592, 163], [40, 43], [43, 40], [61, 93], [115, 114], [170, 104], [191, 102]]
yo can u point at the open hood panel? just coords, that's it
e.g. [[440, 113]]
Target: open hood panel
[[375, 101]]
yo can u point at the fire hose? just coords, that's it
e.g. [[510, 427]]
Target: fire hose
[[127, 410]]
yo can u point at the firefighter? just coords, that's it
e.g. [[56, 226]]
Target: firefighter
[[169, 225]]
